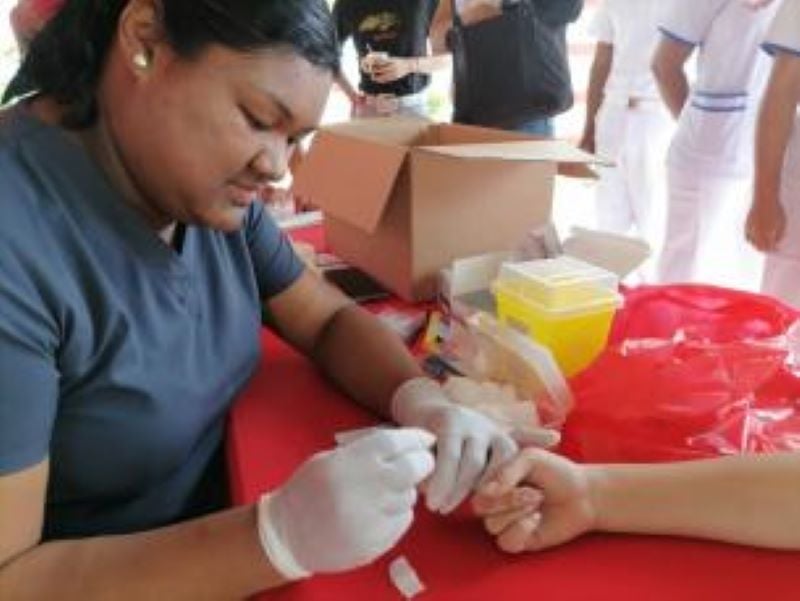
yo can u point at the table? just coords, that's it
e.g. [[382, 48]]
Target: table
[[288, 411]]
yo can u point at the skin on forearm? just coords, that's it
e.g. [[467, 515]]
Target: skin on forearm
[[775, 126], [347, 87], [750, 499], [364, 358], [668, 69], [432, 63], [598, 76], [440, 25], [215, 557]]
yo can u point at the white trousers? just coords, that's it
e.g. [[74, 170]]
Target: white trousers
[[704, 240], [631, 195]]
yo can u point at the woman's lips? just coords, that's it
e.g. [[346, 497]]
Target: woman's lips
[[243, 196]]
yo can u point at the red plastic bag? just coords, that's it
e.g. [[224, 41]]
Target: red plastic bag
[[690, 372]]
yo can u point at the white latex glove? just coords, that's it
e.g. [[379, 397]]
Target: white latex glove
[[345, 507], [468, 445]]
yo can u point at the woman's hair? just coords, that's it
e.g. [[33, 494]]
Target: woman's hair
[[66, 59]]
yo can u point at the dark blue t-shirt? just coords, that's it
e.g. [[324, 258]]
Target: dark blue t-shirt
[[119, 357]]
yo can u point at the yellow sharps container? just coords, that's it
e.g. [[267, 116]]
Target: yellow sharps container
[[563, 303]]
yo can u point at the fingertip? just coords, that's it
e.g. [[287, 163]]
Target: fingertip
[[491, 488]]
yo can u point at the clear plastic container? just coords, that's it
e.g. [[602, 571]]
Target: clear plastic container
[[558, 283], [565, 304]]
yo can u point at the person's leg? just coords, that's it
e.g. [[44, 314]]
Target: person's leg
[[613, 206], [726, 257], [645, 149], [679, 255], [782, 268], [781, 279]]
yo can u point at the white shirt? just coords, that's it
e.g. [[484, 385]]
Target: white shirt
[[728, 34], [784, 33], [631, 26]]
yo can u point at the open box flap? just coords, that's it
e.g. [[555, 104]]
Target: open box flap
[[554, 151], [350, 177], [615, 252]]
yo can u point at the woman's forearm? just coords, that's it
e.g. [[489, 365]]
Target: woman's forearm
[[598, 76], [431, 63], [364, 358], [749, 499], [215, 557]]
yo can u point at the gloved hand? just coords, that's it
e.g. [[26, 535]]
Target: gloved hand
[[468, 445], [345, 507]]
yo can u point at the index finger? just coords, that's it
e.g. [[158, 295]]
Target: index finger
[[388, 443], [507, 476]]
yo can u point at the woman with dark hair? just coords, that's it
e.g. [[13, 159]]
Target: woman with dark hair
[[134, 267]]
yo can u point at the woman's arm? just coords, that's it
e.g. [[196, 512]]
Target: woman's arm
[[598, 76], [667, 65], [365, 359], [440, 25], [371, 364], [397, 67], [216, 557], [766, 222], [749, 499]]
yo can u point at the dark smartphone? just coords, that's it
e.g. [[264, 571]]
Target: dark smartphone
[[355, 283]]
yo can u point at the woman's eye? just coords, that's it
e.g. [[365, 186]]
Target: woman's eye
[[254, 122]]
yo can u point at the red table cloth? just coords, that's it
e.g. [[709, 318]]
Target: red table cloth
[[289, 412]]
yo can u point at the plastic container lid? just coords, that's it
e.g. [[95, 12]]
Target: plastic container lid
[[599, 303], [561, 283]]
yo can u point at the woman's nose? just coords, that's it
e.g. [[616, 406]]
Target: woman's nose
[[272, 161]]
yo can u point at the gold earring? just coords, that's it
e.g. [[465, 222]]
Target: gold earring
[[141, 60]]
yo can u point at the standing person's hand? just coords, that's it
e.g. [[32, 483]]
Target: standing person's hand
[[766, 224], [346, 507], [392, 68], [587, 142], [468, 445], [357, 102], [536, 501]]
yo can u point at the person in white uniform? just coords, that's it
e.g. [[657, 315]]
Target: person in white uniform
[[773, 224], [710, 160], [627, 122]]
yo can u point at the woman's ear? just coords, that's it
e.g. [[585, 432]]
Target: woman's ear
[[140, 34]]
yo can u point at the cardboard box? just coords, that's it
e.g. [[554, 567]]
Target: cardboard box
[[402, 197]]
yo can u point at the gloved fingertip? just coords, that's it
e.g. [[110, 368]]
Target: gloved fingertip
[[435, 498]]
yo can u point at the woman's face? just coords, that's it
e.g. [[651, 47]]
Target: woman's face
[[198, 139]]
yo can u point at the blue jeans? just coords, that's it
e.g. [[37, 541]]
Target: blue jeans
[[541, 126]]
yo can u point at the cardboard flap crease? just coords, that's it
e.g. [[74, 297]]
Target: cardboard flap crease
[[363, 188], [529, 150]]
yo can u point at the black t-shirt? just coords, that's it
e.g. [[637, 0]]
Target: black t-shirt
[[398, 27]]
